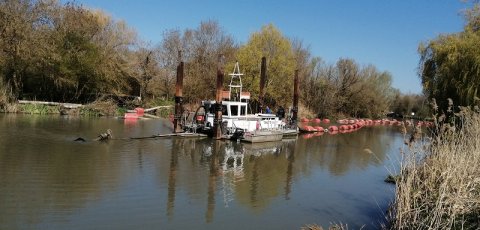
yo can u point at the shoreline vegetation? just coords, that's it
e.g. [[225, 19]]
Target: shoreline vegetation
[[65, 52], [94, 109], [438, 183], [438, 186]]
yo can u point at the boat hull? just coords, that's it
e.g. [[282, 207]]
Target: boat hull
[[260, 136]]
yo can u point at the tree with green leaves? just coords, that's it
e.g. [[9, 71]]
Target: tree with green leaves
[[450, 64], [270, 43]]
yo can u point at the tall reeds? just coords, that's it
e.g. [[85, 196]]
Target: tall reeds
[[439, 182]]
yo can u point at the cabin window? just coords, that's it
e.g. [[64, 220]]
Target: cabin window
[[243, 110], [234, 110], [224, 110]]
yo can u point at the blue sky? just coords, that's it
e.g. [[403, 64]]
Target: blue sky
[[383, 33]]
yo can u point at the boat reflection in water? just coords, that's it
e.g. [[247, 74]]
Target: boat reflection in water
[[256, 176], [228, 178]]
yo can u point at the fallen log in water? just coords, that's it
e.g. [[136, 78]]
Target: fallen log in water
[[158, 107]]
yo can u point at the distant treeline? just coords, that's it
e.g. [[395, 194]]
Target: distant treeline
[[68, 53]]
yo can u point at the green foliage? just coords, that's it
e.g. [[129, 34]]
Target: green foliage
[[121, 111], [159, 102], [270, 43], [90, 112], [450, 64], [38, 109]]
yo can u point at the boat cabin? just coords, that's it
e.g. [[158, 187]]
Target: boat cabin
[[236, 113]]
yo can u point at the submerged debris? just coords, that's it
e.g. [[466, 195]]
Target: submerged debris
[[392, 179], [101, 137], [104, 136], [80, 139]]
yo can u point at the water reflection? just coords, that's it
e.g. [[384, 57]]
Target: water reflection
[[42, 174], [172, 178], [56, 183]]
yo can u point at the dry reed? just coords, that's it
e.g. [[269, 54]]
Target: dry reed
[[439, 182], [333, 226]]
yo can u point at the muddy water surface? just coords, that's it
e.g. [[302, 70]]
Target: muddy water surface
[[48, 181]]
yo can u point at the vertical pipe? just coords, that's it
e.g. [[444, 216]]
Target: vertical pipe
[[217, 122], [263, 79], [178, 99], [295, 98]]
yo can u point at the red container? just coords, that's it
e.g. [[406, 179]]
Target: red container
[[140, 111]]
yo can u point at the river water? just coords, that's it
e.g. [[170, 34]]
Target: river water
[[49, 181]]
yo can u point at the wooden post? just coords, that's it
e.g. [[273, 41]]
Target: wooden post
[[217, 122], [295, 99], [178, 99], [263, 79]]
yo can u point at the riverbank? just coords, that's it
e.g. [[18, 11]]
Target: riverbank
[[95, 109], [439, 182]]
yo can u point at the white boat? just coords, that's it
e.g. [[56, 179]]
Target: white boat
[[237, 120]]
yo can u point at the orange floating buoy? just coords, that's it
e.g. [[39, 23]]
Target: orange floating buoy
[[333, 128], [326, 121], [319, 128], [308, 128], [304, 120], [140, 111], [316, 120]]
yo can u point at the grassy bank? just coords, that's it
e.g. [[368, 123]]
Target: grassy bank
[[439, 183], [103, 108], [97, 108]]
